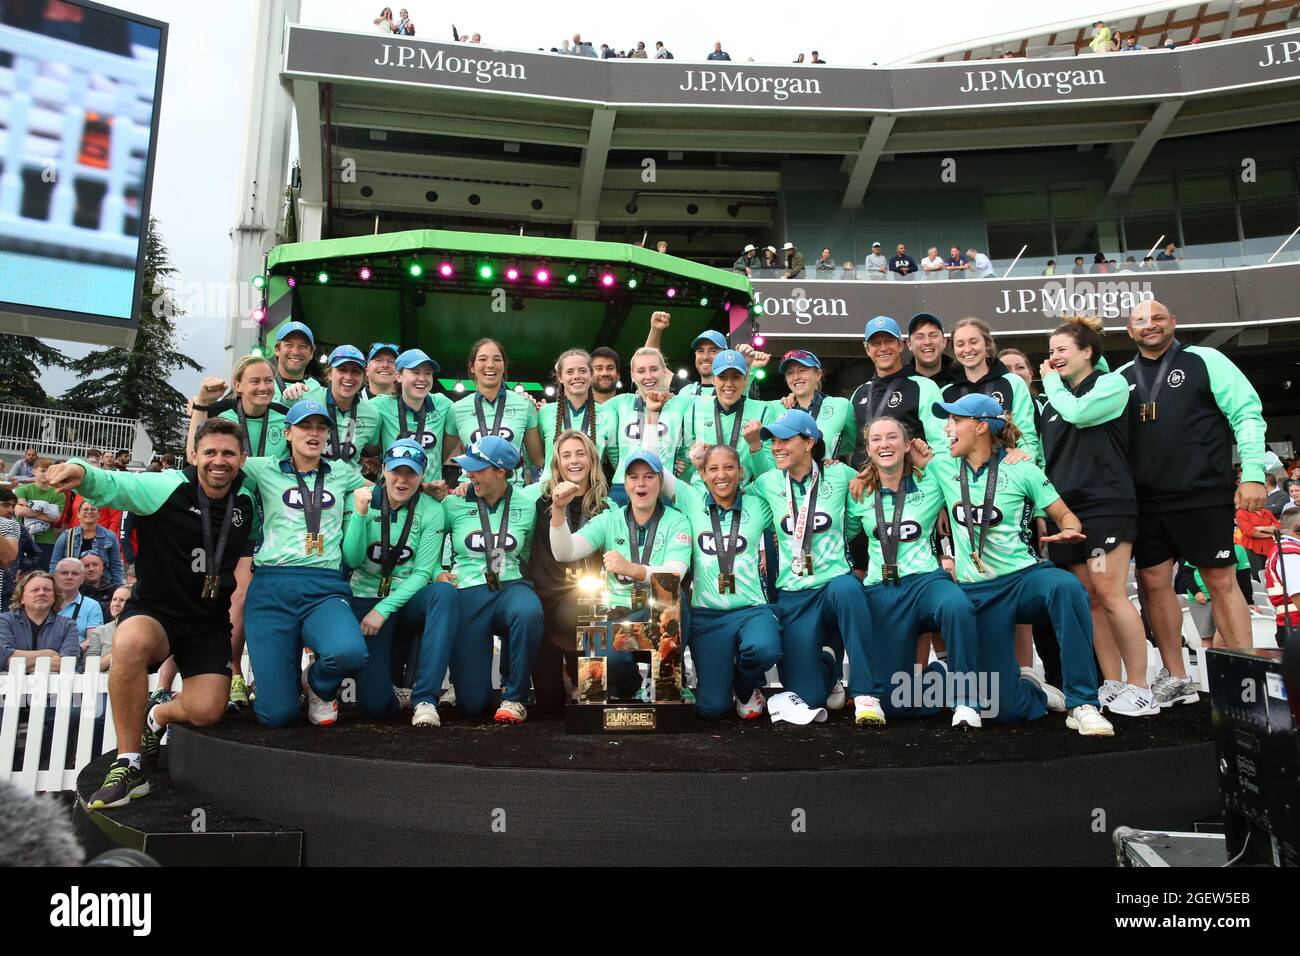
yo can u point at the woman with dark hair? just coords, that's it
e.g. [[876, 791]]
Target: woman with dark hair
[[979, 370], [575, 407], [415, 411], [834, 415], [990, 502], [1085, 445], [494, 409]]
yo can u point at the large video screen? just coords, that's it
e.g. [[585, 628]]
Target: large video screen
[[79, 97]]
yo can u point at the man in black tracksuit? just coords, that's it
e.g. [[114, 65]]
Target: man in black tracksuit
[[895, 390], [1187, 405], [927, 341]]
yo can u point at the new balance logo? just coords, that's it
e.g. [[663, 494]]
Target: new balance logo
[[1224, 554], [1110, 540]]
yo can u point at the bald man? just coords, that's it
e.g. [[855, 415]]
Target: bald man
[[85, 612], [1187, 406]]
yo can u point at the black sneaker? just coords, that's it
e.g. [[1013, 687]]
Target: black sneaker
[[150, 745], [123, 784]]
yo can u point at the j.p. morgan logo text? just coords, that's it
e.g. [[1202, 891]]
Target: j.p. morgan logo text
[[1106, 300], [1279, 53], [418, 58], [738, 81], [78, 909], [804, 308], [1063, 82]]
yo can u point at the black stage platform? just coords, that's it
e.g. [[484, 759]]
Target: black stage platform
[[915, 792]]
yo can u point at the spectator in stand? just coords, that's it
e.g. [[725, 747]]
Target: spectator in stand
[[640, 52], [932, 266], [26, 467], [770, 263], [1079, 267], [1100, 37], [123, 458], [95, 585], [29, 553], [85, 613], [848, 270], [1168, 259], [404, 27], [10, 533], [956, 266], [384, 22], [902, 265], [749, 260], [40, 506], [717, 53], [1131, 44], [1293, 490], [476, 38], [794, 263], [606, 53], [1257, 529], [89, 535], [661, 51], [1130, 264], [33, 628], [1050, 268], [817, 58], [1275, 498], [980, 266], [799, 58], [877, 266], [94, 457], [1099, 264], [564, 48], [581, 48], [662, 247], [825, 264], [99, 640]]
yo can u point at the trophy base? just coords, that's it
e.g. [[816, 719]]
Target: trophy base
[[630, 718]]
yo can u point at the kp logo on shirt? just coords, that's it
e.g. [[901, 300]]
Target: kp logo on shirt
[[959, 512], [821, 522], [709, 545], [907, 531], [346, 451], [502, 432], [375, 553], [474, 542], [293, 499], [633, 429], [427, 440]]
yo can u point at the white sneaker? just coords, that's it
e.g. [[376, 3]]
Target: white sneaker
[[426, 715], [1108, 691], [751, 708], [403, 695], [1089, 722], [1055, 699], [511, 712], [866, 711], [963, 716], [322, 713], [836, 698], [448, 698], [1134, 701]]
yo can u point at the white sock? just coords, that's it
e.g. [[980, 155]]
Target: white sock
[[132, 759], [153, 724]]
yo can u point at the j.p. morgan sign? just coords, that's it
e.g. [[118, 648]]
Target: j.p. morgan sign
[[329, 54], [840, 309]]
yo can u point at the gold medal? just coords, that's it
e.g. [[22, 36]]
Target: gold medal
[[1147, 412], [385, 586], [807, 564], [638, 598], [979, 565], [889, 573], [211, 585], [315, 542], [493, 580], [726, 583]]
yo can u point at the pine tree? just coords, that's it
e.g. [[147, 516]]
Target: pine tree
[[21, 360], [135, 382]]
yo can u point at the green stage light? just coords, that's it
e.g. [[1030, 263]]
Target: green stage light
[[571, 278], [704, 301], [322, 277], [757, 309], [416, 270], [631, 283], [259, 282], [485, 272], [760, 374]]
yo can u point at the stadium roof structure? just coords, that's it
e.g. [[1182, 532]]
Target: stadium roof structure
[[442, 290], [1154, 23]]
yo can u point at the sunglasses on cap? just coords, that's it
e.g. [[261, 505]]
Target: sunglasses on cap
[[798, 355], [374, 346], [403, 452]]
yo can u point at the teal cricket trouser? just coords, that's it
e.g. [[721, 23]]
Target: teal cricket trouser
[[835, 615], [515, 613], [916, 605], [286, 610], [732, 650], [1041, 594], [429, 618]]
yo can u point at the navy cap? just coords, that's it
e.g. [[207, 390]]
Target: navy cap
[[710, 335], [303, 409], [346, 354], [290, 327], [802, 357], [490, 451], [377, 347], [406, 453], [729, 359], [881, 323], [794, 422], [924, 317], [647, 456], [414, 358], [973, 405]]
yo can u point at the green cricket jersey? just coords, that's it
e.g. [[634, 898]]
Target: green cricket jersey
[[607, 531], [398, 420], [546, 424], [695, 389], [357, 428], [755, 518], [29, 492], [520, 414], [915, 556], [465, 531], [418, 562], [630, 416], [700, 424], [1022, 488], [835, 418], [829, 544], [284, 525], [271, 421]]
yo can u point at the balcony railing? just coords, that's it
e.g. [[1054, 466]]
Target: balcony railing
[[56, 434]]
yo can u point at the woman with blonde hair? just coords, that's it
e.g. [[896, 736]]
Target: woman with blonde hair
[[978, 369], [650, 373], [250, 402], [575, 406], [573, 460]]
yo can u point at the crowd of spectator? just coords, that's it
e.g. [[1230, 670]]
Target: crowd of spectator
[[1106, 40]]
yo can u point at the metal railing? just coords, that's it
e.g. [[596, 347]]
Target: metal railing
[[56, 434]]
